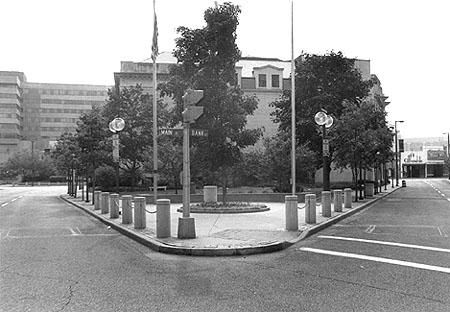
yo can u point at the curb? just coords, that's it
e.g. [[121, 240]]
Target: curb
[[218, 252]]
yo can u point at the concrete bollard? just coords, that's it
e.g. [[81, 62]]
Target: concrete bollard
[[348, 198], [114, 206], [210, 194], [291, 212], [127, 209], [140, 219], [104, 202], [338, 200], [97, 200], [310, 208], [326, 203], [163, 218]]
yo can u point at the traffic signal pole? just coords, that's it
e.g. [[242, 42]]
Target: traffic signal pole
[[186, 224]]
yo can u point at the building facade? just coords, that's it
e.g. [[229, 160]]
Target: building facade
[[34, 115]]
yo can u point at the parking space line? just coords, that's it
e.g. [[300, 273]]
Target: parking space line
[[378, 259], [387, 243]]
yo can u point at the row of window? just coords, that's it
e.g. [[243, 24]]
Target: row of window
[[69, 92], [262, 81], [63, 110], [70, 102], [49, 119]]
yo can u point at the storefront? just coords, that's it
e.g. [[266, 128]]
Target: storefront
[[423, 164]]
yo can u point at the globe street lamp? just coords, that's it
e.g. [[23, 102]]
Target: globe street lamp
[[115, 127], [325, 121], [396, 152], [448, 152]]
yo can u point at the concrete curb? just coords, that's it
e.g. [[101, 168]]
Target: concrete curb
[[321, 226], [158, 246]]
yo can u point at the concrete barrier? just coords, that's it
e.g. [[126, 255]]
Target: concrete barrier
[[347, 198], [104, 202], [310, 208], [127, 209], [140, 218], [114, 206], [97, 200], [326, 203], [291, 213], [210, 194], [337, 200], [162, 218]]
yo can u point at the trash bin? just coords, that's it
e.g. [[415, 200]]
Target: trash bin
[[403, 183], [368, 189]]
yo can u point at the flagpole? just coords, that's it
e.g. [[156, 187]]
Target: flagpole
[[155, 111], [292, 102]]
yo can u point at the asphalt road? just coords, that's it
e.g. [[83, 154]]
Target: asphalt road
[[393, 256]]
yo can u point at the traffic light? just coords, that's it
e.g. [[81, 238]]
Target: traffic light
[[401, 145], [192, 111]]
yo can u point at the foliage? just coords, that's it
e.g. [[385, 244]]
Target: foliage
[[206, 61], [322, 82], [363, 137], [29, 165], [66, 149], [105, 176], [134, 106], [277, 162]]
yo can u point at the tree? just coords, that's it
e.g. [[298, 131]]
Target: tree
[[206, 61], [29, 165], [134, 106], [363, 137], [278, 165], [324, 82], [93, 149]]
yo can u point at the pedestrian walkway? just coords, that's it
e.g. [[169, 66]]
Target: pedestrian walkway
[[228, 234]]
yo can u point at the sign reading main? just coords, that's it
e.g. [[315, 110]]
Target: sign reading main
[[179, 132]]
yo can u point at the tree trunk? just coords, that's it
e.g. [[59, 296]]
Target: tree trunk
[[224, 186]]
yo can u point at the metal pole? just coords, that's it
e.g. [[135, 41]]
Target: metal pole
[[396, 155], [186, 171], [292, 103], [155, 123], [326, 180]]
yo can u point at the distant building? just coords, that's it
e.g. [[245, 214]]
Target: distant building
[[33, 115], [424, 158]]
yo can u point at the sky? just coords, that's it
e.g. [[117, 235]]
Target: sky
[[84, 41]]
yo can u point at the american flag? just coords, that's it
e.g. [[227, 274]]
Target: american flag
[[155, 36]]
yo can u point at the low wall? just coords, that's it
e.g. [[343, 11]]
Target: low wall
[[231, 197]]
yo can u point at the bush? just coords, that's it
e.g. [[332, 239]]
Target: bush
[[57, 179], [105, 177]]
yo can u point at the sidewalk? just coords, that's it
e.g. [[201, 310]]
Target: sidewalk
[[228, 234]]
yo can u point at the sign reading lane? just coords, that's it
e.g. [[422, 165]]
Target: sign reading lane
[[179, 132]]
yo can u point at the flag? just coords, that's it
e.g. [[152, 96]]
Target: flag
[[155, 38]]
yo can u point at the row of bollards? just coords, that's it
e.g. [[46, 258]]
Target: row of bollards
[[109, 203], [291, 206]]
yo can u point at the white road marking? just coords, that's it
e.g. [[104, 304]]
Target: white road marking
[[378, 259], [3, 205], [14, 199], [386, 243], [370, 229]]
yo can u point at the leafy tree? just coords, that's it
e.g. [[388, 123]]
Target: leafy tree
[[29, 165], [66, 149], [134, 106], [322, 82], [93, 148], [364, 138], [278, 163], [206, 61]]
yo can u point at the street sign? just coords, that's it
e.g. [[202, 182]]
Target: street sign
[[326, 147], [115, 147], [179, 132]]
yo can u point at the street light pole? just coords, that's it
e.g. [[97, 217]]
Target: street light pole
[[325, 121], [396, 152]]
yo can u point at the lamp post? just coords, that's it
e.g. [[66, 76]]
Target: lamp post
[[396, 152], [325, 121], [115, 126], [448, 152]]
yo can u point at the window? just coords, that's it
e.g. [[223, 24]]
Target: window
[[262, 81], [275, 81]]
